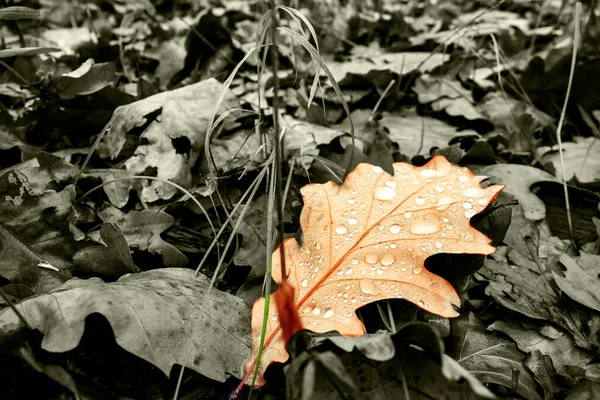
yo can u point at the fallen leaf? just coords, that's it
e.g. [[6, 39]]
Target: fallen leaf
[[416, 134], [175, 125], [368, 240], [518, 180], [87, 79], [559, 348], [378, 366], [491, 359], [581, 281], [503, 24], [246, 148], [142, 230], [36, 245], [581, 159], [67, 39], [543, 372], [243, 149], [302, 138], [117, 192], [107, 262], [514, 119], [55, 372], [583, 207], [585, 390], [521, 288], [170, 56], [445, 94], [153, 315], [397, 63], [253, 250]]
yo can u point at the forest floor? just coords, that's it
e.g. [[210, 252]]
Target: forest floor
[[433, 167]]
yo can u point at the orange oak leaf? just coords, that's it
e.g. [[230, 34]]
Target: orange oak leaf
[[367, 240]]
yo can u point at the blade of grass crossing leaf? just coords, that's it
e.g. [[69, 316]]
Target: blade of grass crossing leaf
[[385, 92], [220, 261], [316, 56], [13, 307], [576, 38], [284, 298], [266, 285], [288, 182], [450, 38], [152, 178], [267, 280], [94, 146], [497, 55], [297, 16], [14, 71], [226, 114], [593, 125], [278, 139], [253, 188], [328, 166], [211, 123], [179, 187]]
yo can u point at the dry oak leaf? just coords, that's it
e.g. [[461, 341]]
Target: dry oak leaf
[[368, 240]]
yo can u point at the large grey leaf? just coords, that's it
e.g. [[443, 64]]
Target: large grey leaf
[[154, 315]]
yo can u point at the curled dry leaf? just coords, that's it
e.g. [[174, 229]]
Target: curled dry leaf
[[368, 240]]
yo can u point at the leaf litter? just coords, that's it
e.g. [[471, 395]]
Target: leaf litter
[[478, 83]]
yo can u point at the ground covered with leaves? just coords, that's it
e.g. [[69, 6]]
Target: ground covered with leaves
[[433, 167]]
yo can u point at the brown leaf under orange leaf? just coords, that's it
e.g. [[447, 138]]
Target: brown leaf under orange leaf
[[368, 240]]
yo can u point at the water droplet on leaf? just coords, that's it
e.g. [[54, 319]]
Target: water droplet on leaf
[[384, 193], [367, 286], [426, 226], [469, 214], [472, 192], [387, 259], [341, 229], [428, 173], [371, 258]]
